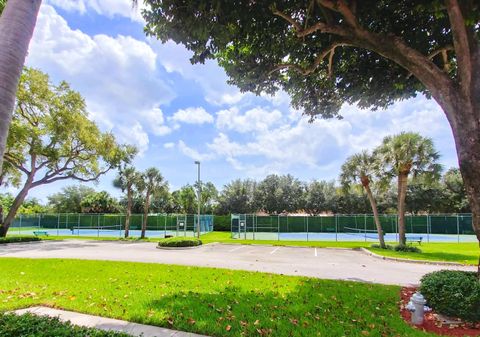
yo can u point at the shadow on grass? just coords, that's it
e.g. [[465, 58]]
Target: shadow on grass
[[315, 308]]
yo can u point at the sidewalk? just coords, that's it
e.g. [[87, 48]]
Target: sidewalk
[[108, 324]]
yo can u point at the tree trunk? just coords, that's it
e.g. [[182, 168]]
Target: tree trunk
[[15, 206], [373, 203], [402, 193], [17, 23], [129, 211], [145, 215]]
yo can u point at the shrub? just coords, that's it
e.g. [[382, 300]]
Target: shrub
[[407, 249], [11, 239], [30, 325], [222, 223], [179, 242], [453, 293]]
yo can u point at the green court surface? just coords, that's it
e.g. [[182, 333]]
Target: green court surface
[[215, 302]]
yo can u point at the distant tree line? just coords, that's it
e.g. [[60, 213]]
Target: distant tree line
[[275, 194]]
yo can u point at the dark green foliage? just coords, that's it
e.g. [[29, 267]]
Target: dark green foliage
[[69, 199], [100, 202], [388, 247], [453, 293], [12, 239], [407, 249], [179, 242], [35, 326], [222, 223]]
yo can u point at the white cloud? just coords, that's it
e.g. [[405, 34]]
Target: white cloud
[[169, 145], [209, 76], [134, 135], [117, 76], [192, 116], [192, 153], [256, 119], [109, 8]]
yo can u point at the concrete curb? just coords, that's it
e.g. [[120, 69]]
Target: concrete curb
[[178, 248], [106, 324], [399, 259]]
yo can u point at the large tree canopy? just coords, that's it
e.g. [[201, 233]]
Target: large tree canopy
[[52, 139], [321, 52]]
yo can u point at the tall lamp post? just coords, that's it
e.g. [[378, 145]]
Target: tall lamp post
[[198, 197]]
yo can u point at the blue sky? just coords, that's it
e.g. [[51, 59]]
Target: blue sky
[[149, 95]]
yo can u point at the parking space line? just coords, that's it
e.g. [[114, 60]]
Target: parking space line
[[315, 252], [236, 248], [273, 251]]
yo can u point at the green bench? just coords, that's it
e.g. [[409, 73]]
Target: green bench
[[38, 233]]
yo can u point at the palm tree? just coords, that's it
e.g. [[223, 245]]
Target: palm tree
[[17, 22], [406, 154], [126, 180], [360, 168], [152, 183]]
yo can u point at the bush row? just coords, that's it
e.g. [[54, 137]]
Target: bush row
[[400, 248], [179, 242], [11, 239], [30, 325]]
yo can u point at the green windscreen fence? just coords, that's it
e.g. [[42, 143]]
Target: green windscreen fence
[[352, 227]]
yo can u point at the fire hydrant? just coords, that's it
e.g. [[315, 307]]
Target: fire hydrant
[[417, 307]]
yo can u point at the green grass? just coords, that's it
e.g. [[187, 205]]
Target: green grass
[[215, 302], [466, 253]]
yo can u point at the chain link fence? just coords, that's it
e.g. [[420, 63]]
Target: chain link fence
[[103, 225], [352, 227]]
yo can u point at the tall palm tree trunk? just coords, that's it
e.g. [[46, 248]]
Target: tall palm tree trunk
[[145, 215], [376, 218], [402, 193], [129, 211], [17, 23]]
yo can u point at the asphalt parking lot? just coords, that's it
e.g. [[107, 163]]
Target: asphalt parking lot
[[327, 263]]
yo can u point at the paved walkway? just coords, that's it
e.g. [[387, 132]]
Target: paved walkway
[[343, 264], [107, 324]]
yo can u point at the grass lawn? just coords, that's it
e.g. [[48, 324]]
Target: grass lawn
[[466, 253], [215, 302]]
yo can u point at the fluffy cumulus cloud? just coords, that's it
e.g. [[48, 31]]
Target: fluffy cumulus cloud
[[192, 116], [118, 76], [192, 153], [256, 119], [109, 8]]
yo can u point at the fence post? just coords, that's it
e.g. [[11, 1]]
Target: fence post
[[336, 227], [278, 225], [307, 227], [458, 229], [365, 226], [20, 226], [78, 223], [58, 224], [165, 225], [428, 228]]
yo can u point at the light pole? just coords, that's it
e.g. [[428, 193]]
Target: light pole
[[198, 198]]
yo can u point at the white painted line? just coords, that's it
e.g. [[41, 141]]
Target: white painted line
[[315, 252], [273, 251], [236, 248]]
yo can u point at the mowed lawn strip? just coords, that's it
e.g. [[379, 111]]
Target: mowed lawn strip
[[215, 302]]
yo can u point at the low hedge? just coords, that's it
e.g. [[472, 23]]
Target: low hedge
[[400, 248], [453, 293], [179, 242], [222, 223], [12, 239], [41, 326]]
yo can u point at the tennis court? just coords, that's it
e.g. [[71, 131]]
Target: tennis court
[[356, 227], [111, 225]]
